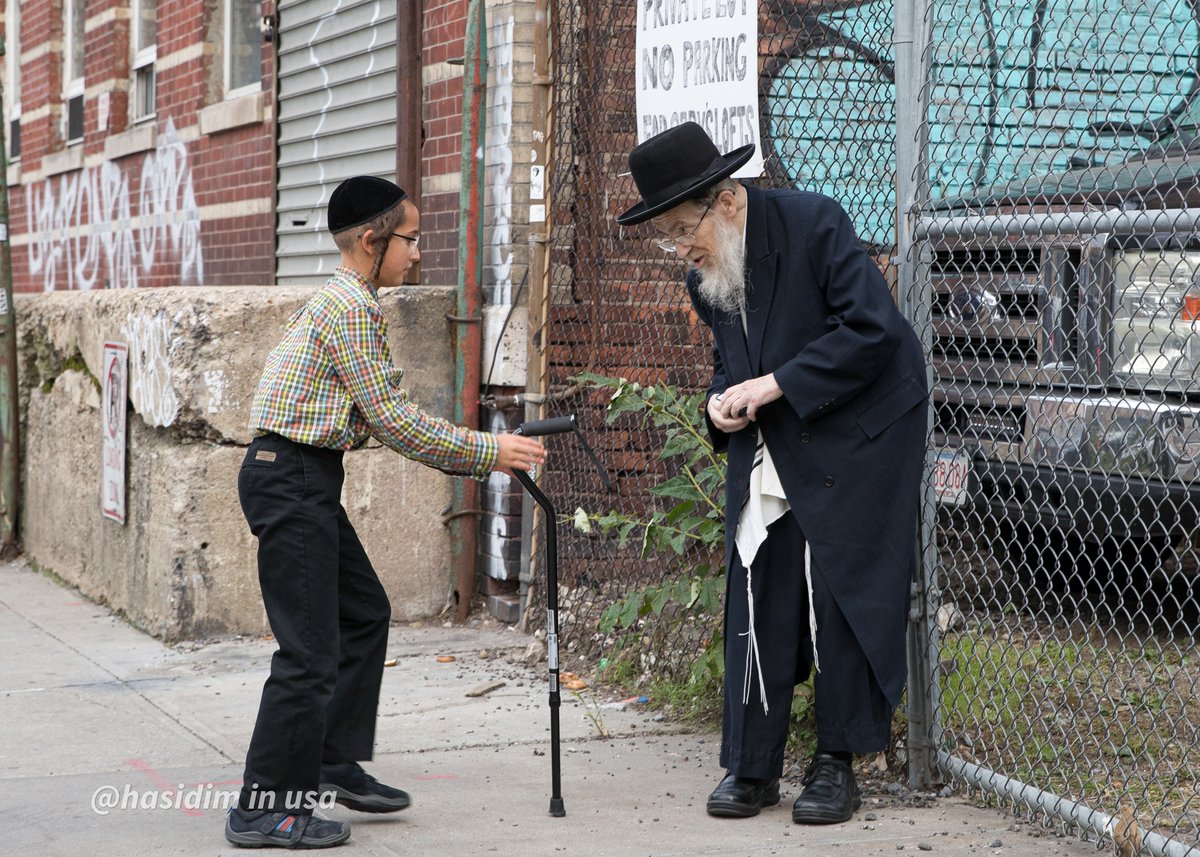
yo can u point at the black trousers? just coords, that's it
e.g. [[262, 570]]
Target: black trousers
[[329, 614], [852, 712]]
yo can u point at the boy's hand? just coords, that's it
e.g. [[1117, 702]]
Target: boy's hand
[[518, 453]]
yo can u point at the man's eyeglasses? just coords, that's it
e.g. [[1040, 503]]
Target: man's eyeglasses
[[687, 239], [411, 239]]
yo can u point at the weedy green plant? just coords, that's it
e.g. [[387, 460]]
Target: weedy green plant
[[687, 529], [591, 710]]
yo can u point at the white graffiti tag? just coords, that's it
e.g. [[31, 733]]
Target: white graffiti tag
[[85, 232], [150, 387], [495, 524], [500, 162]]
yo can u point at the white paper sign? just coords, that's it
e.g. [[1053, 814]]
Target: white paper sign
[[115, 392], [102, 108], [537, 182], [697, 60]]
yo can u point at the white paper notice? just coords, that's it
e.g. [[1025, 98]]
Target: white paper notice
[[115, 394], [697, 60]]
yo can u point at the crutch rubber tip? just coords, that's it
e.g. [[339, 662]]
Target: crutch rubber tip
[[556, 807]]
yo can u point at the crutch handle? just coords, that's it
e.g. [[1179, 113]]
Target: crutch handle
[[554, 425], [560, 425]]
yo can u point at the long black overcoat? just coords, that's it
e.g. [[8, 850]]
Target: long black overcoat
[[848, 435]]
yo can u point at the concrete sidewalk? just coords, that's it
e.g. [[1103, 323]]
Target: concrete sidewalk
[[93, 711]]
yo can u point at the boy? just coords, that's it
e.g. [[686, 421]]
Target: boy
[[327, 387]]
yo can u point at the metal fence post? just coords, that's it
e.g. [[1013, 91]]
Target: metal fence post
[[10, 440], [910, 41]]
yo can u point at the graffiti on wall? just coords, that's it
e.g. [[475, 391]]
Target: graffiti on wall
[[216, 382], [496, 525], [498, 278], [1019, 90], [89, 230], [500, 162], [150, 384]]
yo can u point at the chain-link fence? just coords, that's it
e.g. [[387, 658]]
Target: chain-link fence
[[1061, 262], [1052, 265], [618, 307]]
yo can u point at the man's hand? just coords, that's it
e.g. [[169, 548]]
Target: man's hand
[[743, 400], [518, 453], [720, 420]]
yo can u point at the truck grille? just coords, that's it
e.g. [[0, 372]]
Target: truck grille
[[987, 305], [998, 422]]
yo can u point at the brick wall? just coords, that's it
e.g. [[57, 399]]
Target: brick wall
[[185, 197], [442, 40], [618, 307]]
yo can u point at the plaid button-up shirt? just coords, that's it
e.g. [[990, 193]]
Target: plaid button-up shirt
[[331, 383]]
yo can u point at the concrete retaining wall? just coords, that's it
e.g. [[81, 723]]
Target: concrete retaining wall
[[183, 565]]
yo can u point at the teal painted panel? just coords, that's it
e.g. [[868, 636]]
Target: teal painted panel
[[1004, 104]]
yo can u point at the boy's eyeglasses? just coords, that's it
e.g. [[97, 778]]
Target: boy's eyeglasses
[[687, 239], [411, 239]]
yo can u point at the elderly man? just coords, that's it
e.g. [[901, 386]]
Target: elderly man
[[818, 394]]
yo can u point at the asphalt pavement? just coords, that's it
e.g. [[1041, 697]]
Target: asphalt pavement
[[113, 743]]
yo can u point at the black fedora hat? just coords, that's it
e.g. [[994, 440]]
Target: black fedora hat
[[675, 166]]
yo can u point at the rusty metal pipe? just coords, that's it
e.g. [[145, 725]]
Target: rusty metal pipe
[[10, 422], [410, 92]]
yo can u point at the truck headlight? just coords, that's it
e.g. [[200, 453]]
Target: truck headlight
[[1156, 308]]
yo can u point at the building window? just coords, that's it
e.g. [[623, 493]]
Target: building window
[[145, 53], [12, 76], [73, 70], [243, 47]]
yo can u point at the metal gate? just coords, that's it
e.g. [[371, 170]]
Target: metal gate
[[337, 118], [1042, 158], [1056, 259]]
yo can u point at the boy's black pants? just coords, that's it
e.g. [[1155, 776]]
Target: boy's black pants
[[329, 614]]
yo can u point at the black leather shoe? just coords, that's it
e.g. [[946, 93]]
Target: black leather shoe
[[742, 797], [830, 793]]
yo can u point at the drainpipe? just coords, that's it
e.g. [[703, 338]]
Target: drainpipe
[[410, 92], [10, 440], [467, 333]]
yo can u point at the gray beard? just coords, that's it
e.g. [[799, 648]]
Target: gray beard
[[722, 283]]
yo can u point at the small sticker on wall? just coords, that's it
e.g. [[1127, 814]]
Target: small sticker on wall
[[537, 214], [102, 111]]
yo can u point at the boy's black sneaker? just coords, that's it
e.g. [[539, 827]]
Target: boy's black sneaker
[[262, 829], [355, 789]]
